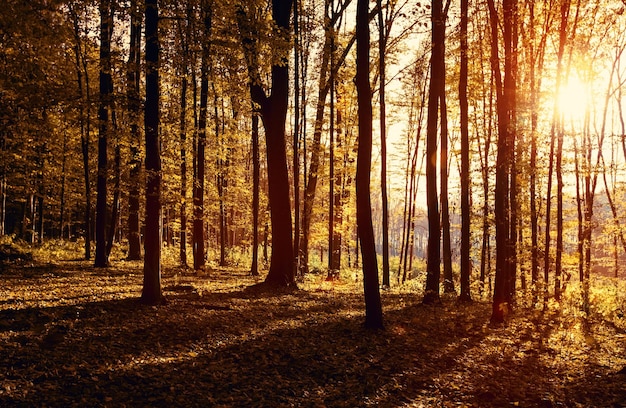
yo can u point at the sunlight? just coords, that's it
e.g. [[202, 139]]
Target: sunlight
[[573, 98]]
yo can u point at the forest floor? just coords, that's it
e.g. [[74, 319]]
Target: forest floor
[[74, 335]]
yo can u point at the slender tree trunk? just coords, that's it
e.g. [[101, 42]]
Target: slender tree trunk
[[557, 131], [134, 108], [332, 274], [448, 280], [85, 123], [115, 206], [436, 86], [199, 256], [106, 89], [221, 177], [316, 148], [373, 306], [151, 293], [466, 266], [184, 84], [382, 46], [296, 137], [254, 268]]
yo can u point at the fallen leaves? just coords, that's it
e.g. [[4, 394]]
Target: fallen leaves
[[73, 335]]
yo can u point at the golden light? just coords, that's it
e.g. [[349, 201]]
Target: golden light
[[573, 99]]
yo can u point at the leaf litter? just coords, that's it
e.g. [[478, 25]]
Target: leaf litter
[[74, 335]]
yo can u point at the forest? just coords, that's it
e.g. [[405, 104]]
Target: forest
[[312, 203]]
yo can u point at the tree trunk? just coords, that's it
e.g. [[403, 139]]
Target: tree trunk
[[254, 268], [151, 293], [448, 280], [296, 137], [106, 89], [382, 45], [134, 108], [182, 129], [436, 83], [466, 266], [373, 306], [504, 94], [85, 123], [115, 206], [273, 109], [199, 257]]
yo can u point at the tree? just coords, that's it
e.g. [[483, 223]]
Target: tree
[[134, 108], [198, 182], [465, 161], [106, 90], [383, 37], [254, 268], [84, 94], [273, 110], [184, 32], [373, 306], [505, 93], [316, 148], [151, 293], [436, 88]]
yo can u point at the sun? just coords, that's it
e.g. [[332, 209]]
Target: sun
[[573, 99]]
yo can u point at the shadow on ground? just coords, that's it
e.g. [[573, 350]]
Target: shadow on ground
[[237, 346]]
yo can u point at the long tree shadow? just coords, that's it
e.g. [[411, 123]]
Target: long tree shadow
[[246, 347]]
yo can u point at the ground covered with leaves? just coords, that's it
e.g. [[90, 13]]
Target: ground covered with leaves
[[74, 335]]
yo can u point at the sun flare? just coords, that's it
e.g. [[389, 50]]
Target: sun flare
[[572, 99]]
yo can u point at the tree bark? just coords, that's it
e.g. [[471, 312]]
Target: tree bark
[[273, 109], [151, 293], [199, 257], [373, 306], [436, 86], [254, 268], [466, 266], [134, 107], [106, 89], [382, 46]]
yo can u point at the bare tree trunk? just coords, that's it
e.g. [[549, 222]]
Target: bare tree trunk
[[273, 109], [436, 87], [106, 90], [505, 96], [85, 122], [373, 306], [466, 266], [254, 268], [448, 280], [199, 256], [134, 107], [151, 293], [382, 46]]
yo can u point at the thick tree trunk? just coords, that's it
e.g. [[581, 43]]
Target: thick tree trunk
[[106, 89], [436, 87], [151, 293], [373, 306], [505, 93], [273, 109]]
